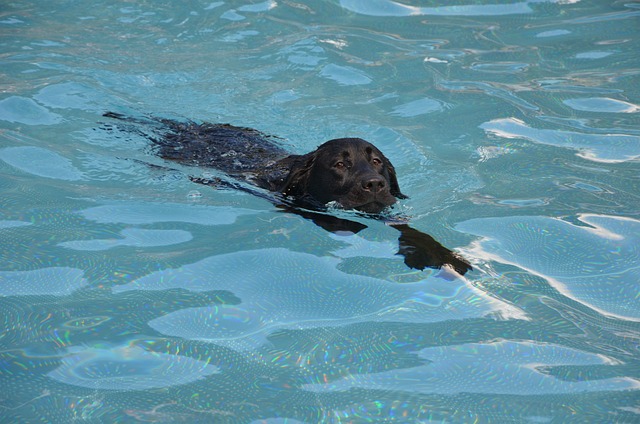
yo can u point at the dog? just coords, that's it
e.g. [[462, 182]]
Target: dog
[[344, 173], [350, 173]]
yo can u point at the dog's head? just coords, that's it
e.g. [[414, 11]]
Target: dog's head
[[349, 171]]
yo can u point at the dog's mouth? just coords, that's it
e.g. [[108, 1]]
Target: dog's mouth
[[369, 208], [371, 204], [372, 207]]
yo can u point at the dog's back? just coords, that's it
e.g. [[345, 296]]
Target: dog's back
[[225, 147], [241, 152]]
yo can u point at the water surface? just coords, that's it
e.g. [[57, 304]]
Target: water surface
[[130, 294]]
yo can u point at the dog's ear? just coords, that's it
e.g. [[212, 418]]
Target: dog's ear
[[394, 187], [296, 182]]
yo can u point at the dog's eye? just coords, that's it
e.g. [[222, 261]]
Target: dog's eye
[[340, 165], [376, 161]]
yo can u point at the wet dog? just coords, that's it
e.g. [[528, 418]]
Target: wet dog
[[347, 173]]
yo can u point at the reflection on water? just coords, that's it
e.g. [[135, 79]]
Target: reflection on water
[[392, 8], [602, 104], [10, 224], [148, 213], [282, 289], [596, 147], [596, 264], [514, 368], [40, 162], [127, 368], [25, 111], [54, 281], [132, 237]]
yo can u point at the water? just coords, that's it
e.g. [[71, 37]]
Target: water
[[130, 294]]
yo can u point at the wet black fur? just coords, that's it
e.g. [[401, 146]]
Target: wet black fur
[[350, 172]]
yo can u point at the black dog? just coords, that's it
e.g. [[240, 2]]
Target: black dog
[[348, 173]]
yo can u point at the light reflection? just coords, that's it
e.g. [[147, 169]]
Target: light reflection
[[284, 289], [503, 367], [128, 367], [595, 264], [610, 148], [136, 237], [54, 281], [392, 8]]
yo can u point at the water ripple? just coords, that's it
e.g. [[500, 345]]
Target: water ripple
[[499, 91], [596, 265], [345, 75], [41, 162], [392, 8], [596, 147], [54, 281], [25, 111], [284, 289], [148, 213], [13, 224], [602, 104], [128, 367], [136, 237], [418, 107], [504, 367]]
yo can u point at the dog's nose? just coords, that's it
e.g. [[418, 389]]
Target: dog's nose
[[374, 185]]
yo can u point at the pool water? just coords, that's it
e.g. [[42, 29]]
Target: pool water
[[130, 294]]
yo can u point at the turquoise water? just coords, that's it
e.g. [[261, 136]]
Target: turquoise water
[[130, 294]]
